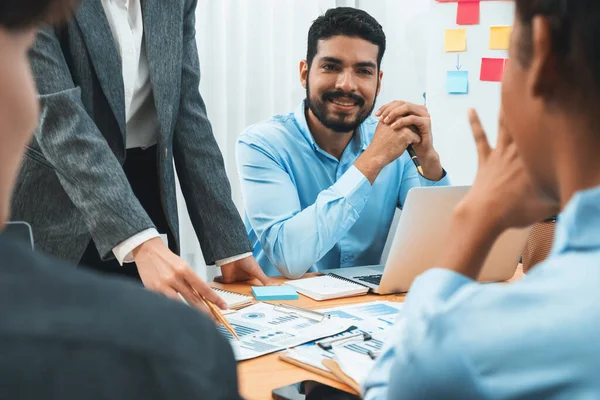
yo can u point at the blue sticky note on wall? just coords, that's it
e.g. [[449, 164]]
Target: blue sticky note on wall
[[457, 82], [283, 292]]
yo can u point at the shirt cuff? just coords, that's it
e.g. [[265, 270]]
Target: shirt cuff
[[354, 187], [445, 181], [123, 251], [220, 263]]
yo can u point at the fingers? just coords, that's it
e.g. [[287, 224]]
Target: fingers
[[256, 271], [189, 294], [409, 120], [203, 289], [391, 114], [383, 109], [411, 137], [481, 142], [171, 294]]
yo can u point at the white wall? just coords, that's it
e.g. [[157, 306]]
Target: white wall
[[452, 134], [249, 55]]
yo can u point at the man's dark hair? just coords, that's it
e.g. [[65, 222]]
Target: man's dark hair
[[22, 14], [345, 21], [575, 35]]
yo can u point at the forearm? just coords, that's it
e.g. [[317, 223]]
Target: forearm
[[470, 238], [295, 243]]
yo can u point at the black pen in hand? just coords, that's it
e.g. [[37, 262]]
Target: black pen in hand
[[414, 158]]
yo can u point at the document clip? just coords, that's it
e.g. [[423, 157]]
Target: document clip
[[327, 344], [302, 312]]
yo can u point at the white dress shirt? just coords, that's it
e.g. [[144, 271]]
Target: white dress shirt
[[142, 127]]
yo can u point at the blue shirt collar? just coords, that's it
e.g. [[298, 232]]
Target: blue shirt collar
[[578, 226], [361, 138]]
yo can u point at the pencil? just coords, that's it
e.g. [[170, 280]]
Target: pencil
[[219, 317], [414, 158]]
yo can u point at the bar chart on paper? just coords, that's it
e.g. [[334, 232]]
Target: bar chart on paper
[[283, 319], [263, 329], [240, 330]]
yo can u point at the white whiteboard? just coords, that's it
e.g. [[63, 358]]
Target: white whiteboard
[[452, 134]]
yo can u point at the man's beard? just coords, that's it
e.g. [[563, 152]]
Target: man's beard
[[338, 122]]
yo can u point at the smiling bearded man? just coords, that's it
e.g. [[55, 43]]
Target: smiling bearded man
[[321, 185]]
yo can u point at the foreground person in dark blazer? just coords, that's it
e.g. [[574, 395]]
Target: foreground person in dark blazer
[[70, 334]]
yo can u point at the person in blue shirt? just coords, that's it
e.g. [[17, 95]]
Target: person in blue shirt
[[536, 338], [321, 185]]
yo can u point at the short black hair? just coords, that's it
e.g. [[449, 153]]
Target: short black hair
[[22, 14], [345, 21], [575, 36]]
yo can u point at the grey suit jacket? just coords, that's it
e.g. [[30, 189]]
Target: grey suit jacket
[[72, 186]]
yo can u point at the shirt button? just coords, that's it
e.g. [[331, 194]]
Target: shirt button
[[166, 152]]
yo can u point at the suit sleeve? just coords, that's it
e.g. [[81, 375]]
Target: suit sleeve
[[70, 141], [200, 166]]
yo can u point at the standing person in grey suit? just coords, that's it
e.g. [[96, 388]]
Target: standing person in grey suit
[[67, 334], [119, 91]]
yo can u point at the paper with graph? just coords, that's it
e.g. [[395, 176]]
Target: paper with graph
[[263, 330], [375, 318]]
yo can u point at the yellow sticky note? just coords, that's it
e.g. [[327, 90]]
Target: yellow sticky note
[[456, 40], [500, 37]]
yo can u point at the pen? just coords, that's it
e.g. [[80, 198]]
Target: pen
[[217, 314], [411, 152], [373, 354], [219, 317], [413, 157]]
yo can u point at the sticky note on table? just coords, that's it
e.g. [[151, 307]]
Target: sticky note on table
[[468, 12], [283, 292], [455, 40], [457, 82], [492, 69], [500, 37]]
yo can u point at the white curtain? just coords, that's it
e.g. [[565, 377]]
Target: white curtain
[[249, 58]]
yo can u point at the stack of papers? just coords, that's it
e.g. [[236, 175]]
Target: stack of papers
[[263, 329], [352, 356]]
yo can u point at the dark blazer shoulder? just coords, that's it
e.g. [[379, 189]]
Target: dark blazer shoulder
[[118, 312]]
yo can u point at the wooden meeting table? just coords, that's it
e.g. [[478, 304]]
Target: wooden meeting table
[[258, 377]]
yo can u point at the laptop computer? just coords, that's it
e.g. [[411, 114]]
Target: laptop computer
[[419, 237]]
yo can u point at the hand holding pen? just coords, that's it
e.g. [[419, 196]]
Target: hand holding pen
[[402, 116]]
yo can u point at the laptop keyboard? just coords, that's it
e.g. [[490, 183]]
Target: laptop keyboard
[[372, 279]]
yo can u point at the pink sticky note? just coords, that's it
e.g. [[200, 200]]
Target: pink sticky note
[[468, 13], [492, 69]]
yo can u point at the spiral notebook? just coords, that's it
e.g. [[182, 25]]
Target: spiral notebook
[[327, 287], [234, 300]]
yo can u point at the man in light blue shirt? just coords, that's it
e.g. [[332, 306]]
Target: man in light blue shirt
[[321, 185], [537, 338]]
